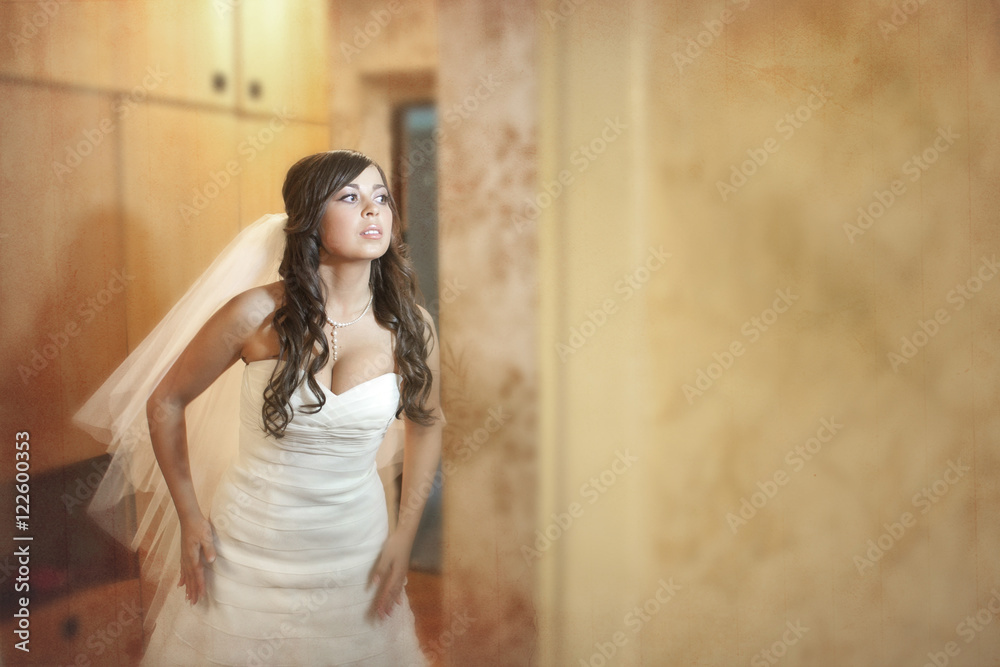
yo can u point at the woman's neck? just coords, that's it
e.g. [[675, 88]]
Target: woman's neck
[[347, 288]]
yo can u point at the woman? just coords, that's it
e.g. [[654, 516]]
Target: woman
[[294, 564]]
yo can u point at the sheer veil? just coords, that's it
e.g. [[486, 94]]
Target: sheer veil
[[132, 502]]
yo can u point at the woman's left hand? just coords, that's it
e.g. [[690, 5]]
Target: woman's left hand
[[389, 573]]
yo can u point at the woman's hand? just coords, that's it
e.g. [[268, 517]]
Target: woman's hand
[[389, 573], [197, 540]]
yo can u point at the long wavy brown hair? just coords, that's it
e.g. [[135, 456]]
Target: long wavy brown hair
[[299, 320]]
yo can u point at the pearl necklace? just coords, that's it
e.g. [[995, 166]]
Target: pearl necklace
[[338, 325]]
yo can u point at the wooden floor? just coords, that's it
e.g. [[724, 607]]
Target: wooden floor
[[423, 589]]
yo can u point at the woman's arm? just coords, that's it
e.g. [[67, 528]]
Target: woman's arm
[[214, 349], [421, 453]]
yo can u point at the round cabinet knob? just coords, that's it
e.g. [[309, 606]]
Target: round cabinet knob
[[219, 82], [255, 90]]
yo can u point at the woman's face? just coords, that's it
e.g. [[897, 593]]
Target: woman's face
[[357, 224]]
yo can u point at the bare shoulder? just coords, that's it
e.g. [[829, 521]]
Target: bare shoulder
[[428, 320], [251, 314], [242, 321], [258, 304], [244, 316]]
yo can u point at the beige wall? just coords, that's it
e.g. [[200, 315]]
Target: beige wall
[[666, 527], [382, 54], [487, 98]]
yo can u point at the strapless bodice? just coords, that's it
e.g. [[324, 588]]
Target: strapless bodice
[[339, 441]]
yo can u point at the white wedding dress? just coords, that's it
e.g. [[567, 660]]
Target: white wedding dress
[[299, 523]]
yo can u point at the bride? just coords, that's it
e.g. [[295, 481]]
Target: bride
[[294, 563]]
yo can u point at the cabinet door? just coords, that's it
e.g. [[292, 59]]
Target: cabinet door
[[65, 42], [180, 191], [62, 305], [284, 54], [281, 144], [146, 49], [188, 45]]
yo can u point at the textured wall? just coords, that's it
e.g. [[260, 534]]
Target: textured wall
[[486, 100], [383, 53], [811, 399]]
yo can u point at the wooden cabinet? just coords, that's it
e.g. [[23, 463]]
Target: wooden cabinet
[[256, 56], [180, 203], [144, 49], [283, 51], [189, 44], [262, 177], [61, 300], [66, 42]]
